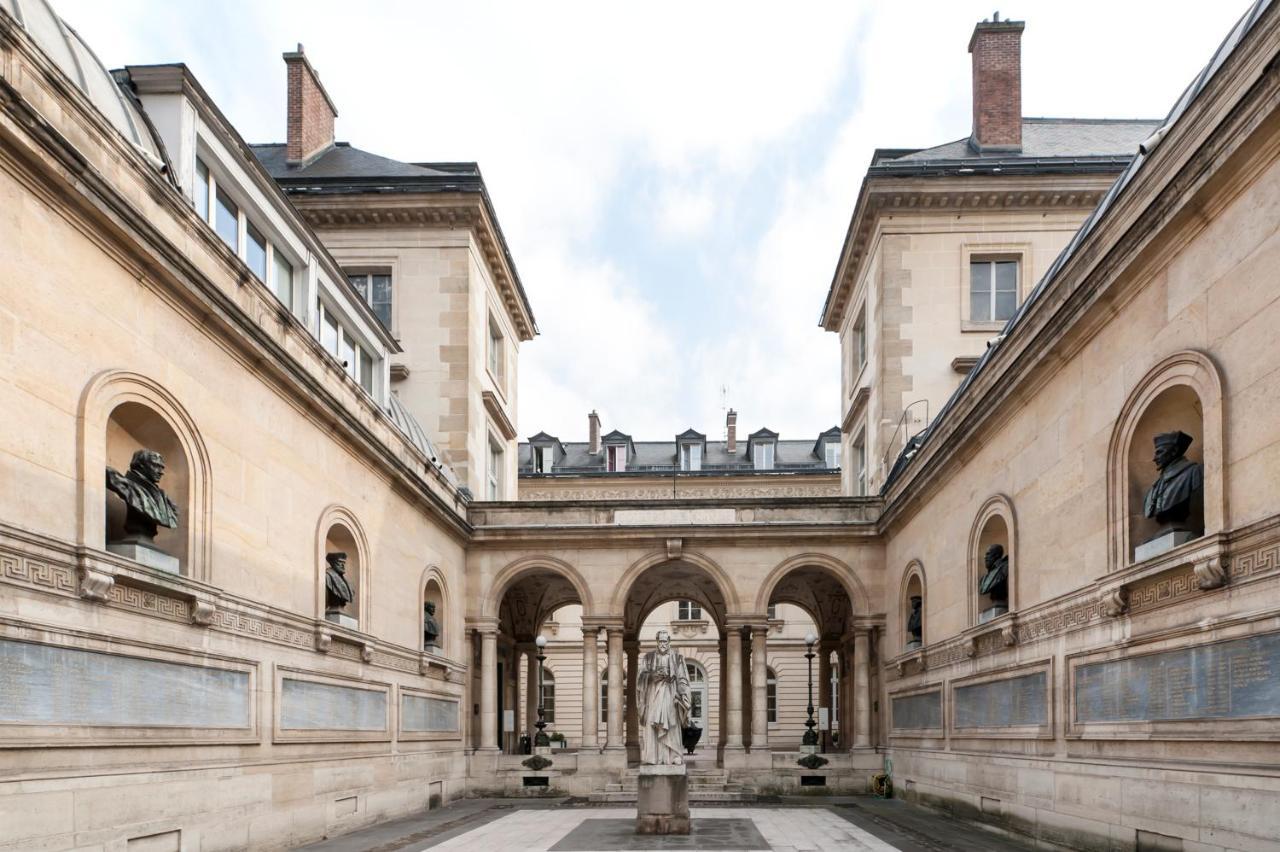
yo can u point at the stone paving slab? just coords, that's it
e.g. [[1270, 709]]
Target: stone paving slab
[[714, 833]]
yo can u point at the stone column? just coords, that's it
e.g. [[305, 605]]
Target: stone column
[[531, 692], [759, 689], [722, 695], [613, 730], [489, 690], [733, 684], [633, 714], [590, 739], [861, 689]]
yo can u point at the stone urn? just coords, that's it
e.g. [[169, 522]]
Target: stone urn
[[690, 736]]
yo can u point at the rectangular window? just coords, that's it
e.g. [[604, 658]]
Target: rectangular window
[[374, 288], [860, 465], [763, 456], [617, 458], [771, 697], [691, 457], [859, 342], [366, 370], [255, 252], [201, 189], [993, 290], [688, 611], [542, 459], [494, 472], [227, 221], [772, 611], [282, 282], [495, 350], [548, 700], [831, 449], [329, 332]]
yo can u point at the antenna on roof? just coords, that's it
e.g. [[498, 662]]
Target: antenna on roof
[[724, 407]]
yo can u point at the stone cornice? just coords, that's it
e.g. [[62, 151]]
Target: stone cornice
[[430, 210], [886, 196], [499, 417], [1168, 201]]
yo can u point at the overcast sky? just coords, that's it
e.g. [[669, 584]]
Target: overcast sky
[[674, 179]]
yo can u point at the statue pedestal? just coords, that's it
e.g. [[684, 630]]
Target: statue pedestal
[[662, 803], [992, 612], [1161, 543], [148, 556], [342, 619]]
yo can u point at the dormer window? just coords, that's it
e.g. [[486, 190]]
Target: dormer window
[[827, 448], [617, 458], [546, 452], [692, 447], [832, 454], [543, 459], [762, 447]]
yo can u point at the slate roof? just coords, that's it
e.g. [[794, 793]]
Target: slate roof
[[660, 457], [1053, 137]]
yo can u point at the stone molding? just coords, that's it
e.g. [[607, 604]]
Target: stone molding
[[47, 565]]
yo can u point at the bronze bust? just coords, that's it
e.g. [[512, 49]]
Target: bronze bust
[[1178, 491], [915, 621], [430, 627], [337, 591], [147, 507], [995, 582]]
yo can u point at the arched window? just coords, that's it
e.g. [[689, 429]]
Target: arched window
[[548, 696], [697, 694], [771, 695], [993, 561]]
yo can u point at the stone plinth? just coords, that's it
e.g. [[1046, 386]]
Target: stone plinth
[[992, 612], [342, 619], [1161, 543], [662, 803], [144, 555]]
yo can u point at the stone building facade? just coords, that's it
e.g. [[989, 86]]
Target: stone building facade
[[323, 345]]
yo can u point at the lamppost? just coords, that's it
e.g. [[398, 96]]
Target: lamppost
[[810, 735], [541, 740]]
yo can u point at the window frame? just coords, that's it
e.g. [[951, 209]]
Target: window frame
[[495, 358], [687, 610], [543, 458], [771, 695], [362, 357], [493, 473], [368, 272], [858, 449], [615, 458], [1019, 253], [690, 456], [767, 449], [547, 699]]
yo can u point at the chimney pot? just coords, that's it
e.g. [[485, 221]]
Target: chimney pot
[[996, 47], [593, 430], [731, 432], [311, 112]]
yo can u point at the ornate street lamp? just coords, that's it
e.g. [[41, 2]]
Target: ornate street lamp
[[811, 735], [541, 739]]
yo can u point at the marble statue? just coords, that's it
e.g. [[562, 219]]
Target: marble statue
[[1180, 485], [337, 591], [662, 693], [915, 621], [995, 582], [147, 507], [430, 627]]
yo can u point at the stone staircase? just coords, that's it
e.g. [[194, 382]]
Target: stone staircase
[[706, 785]]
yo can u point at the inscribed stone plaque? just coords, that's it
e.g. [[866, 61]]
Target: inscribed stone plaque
[[421, 713], [309, 706], [923, 710], [1003, 703], [48, 685], [1234, 679]]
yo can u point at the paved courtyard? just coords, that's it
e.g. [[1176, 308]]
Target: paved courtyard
[[561, 826]]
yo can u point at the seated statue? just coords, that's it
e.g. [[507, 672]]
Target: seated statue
[[995, 582], [147, 508], [430, 627], [1179, 489], [337, 591]]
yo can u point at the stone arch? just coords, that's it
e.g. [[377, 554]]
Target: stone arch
[[848, 579], [1189, 371], [512, 571], [432, 575], [339, 517], [913, 579], [105, 394], [995, 523], [721, 581]]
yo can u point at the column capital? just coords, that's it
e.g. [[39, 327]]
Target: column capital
[[601, 622], [483, 624], [738, 622]]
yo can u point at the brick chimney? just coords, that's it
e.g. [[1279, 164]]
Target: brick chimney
[[593, 429], [311, 112], [731, 432], [996, 46]]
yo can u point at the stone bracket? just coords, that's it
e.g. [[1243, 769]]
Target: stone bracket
[[1207, 557], [95, 585]]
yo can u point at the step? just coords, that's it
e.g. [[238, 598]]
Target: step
[[699, 796]]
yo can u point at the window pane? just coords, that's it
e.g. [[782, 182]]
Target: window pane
[[329, 334], [832, 454], [380, 299], [1007, 275], [366, 371], [201, 189], [347, 354], [227, 224], [361, 285], [283, 284], [255, 253], [980, 305], [980, 276], [1006, 302]]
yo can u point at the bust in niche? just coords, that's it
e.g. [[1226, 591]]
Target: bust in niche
[[430, 627], [337, 589], [995, 583], [1176, 499], [915, 623], [147, 508]]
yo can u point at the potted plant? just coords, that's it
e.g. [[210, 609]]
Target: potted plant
[[690, 736], [557, 740]]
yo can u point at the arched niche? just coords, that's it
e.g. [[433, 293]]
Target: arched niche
[[1183, 392], [994, 527], [339, 532], [433, 592], [120, 413], [913, 588]]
